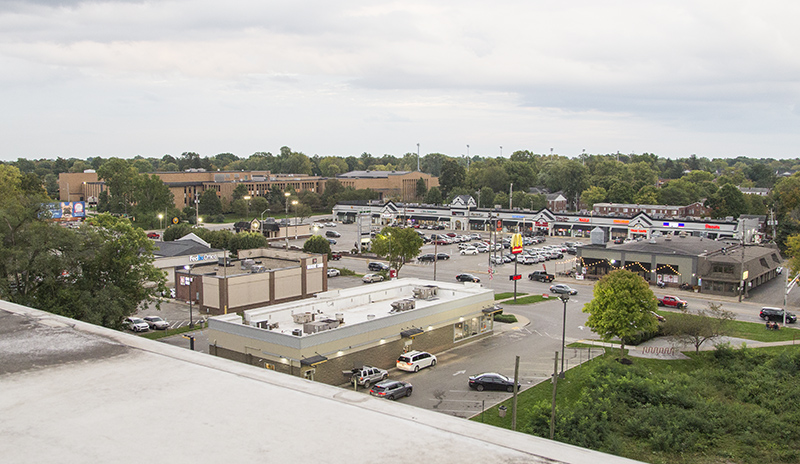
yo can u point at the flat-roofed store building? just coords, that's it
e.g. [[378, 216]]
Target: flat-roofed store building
[[321, 337], [711, 266]]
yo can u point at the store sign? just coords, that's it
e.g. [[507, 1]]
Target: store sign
[[541, 224], [673, 224], [516, 244], [621, 221], [584, 220], [200, 258], [712, 226], [639, 231]]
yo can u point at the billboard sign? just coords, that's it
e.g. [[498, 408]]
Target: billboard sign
[[516, 243], [67, 210]]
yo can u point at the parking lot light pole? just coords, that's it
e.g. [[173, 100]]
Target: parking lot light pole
[[285, 216], [188, 267], [564, 297]]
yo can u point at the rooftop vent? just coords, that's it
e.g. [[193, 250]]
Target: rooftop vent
[[425, 293], [403, 305]]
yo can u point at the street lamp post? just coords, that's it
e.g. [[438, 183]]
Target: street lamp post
[[160, 221], [294, 203], [262, 213], [564, 297], [188, 267], [247, 198], [285, 218]]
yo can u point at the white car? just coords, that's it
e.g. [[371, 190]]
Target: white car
[[136, 324], [156, 322], [413, 361], [469, 251], [333, 272], [369, 278]]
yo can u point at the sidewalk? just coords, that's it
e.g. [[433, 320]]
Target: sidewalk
[[669, 348]]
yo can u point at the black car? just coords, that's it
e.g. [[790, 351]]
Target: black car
[[427, 257], [776, 314], [467, 278], [376, 266], [441, 256], [332, 233], [491, 381], [332, 241]]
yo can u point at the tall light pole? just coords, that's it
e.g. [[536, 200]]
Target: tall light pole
[[286, 218], [294, 203], [417, 157], [262, 213], [501, 151], [188, 267], [196, 208], [564, 297], [160, 221], [247, 198]]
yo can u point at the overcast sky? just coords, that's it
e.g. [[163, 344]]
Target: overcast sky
[[127, 78]]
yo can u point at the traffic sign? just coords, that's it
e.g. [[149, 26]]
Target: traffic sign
[[515, 277]]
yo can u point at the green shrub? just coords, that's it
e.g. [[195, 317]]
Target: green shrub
[[507, 318]]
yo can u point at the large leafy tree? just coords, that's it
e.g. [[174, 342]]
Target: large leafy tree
[[317, 244], [397, 245], [453, 175], [592, 195], [621, 306], [210, 203], [121, 179]]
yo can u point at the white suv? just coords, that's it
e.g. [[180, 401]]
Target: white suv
[[136, 324], [413, 361]]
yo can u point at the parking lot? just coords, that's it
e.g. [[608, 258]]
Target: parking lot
[[535, 338]]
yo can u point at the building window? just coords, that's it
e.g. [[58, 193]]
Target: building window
[[722, 268], [471, 327]]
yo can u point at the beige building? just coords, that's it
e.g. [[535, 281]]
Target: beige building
[[321, 338], [188, 185], [262, 277]]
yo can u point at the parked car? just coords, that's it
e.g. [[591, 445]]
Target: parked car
[[136, 324], [153, 235], [563, 288], [441, 256], [370, 278], [427, 257], [492, 381], [155, 322], [367, 375], [776, 314], [333, 272], [467, 278], [332, 233], [469, 251], [332, 241], [413, 361], [336, 256], [376, 266], [541, 276], [391, 389]]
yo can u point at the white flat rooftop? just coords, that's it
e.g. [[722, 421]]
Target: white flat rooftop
[[73, 392], [359, 304]]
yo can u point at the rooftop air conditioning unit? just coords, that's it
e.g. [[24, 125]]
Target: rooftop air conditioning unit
[[302, 318], [425, 293], [403, 305]]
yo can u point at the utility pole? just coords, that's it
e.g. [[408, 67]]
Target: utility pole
[[514, 402], [417, 157], [511, 197]]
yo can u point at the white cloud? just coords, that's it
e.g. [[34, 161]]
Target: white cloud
[[670, 77]]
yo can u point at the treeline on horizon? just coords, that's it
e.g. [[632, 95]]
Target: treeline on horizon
[[583, 180]]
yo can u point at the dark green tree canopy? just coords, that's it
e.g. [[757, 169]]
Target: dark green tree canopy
[[397, 245]]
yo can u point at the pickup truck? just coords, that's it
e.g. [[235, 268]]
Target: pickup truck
[[541, 276], [672, 301], [367, 375]]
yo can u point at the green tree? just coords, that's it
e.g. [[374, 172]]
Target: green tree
[[422, 188], [176, 231], [239, 192], [397, 245], [434, 196], [152, 196], [210, 203], [247, 241], [701, 327], [647, 195], [486, 198], [728, 201], [621, 307], [318, 244], [453, 175], [121, 179], [593, 195]]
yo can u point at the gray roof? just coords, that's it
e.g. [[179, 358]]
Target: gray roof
[[686, 246], [371, 174], [76, 392], [180, 248]]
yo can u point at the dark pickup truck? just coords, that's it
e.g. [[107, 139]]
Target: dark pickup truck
[[541, 276]]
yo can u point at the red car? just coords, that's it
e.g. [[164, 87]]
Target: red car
[[672, 302], [153, 235]]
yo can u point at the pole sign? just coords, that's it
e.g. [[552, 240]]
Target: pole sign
[[515, 277], [516, 243]]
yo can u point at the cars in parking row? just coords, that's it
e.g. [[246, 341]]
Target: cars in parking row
[[143, 324]]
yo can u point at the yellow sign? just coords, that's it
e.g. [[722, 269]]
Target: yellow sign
[[516, 243]]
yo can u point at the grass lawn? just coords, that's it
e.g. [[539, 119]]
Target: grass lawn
[[749, 330], [156, 334], [528, 299], [504, 295]]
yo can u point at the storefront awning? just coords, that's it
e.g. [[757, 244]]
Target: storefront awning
[[411, 333], [313, 361]]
